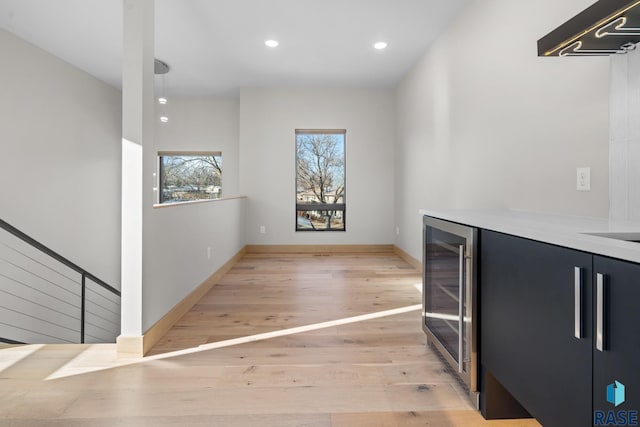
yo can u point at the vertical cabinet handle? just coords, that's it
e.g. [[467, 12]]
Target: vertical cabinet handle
[[600, 302], [577, 305], [461, 282]]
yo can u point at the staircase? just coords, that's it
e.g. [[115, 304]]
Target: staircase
[[45, 298]]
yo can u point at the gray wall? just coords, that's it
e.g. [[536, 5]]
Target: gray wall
[[60, 173], [268, 119], [484, 123]]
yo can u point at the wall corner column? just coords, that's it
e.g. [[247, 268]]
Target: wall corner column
[[624, 138], [137, 133]]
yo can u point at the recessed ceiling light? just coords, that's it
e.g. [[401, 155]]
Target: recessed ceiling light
[[380, 45], [164, 119], [162, 100], [271, 43]]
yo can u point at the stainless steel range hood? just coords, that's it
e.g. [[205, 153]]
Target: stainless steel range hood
[[605, 28]]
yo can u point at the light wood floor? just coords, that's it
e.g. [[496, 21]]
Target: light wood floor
[[281, 340]]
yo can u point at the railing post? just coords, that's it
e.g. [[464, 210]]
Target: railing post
[[82, 308]]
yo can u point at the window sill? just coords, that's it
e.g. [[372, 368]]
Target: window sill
[[196, 202]]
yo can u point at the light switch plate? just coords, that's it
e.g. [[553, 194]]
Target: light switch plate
[[583, 179]]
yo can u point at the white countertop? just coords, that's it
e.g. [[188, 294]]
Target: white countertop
[[561, 230]]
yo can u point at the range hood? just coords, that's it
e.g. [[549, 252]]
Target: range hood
[[605, 28]]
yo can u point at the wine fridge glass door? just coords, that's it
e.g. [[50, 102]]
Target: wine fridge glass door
[[444, 290]]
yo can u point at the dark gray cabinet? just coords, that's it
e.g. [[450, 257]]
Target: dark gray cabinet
[[527, 325], [620, 357], [543, 309]]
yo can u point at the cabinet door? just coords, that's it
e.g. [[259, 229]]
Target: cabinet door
[[527, 325], [620, 357]]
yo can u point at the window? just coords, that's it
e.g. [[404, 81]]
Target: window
[[189, 176], [320, 180]]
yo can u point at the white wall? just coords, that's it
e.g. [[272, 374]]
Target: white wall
[[175, 254], [268, 119], [625, 137], [206, 123], [177, 237], [484, 123], [60, 172]]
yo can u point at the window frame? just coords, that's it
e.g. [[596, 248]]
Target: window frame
[[159, 180], [324, 207]]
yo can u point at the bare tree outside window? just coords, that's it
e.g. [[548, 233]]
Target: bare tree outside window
[[320, 180], [190, 176]]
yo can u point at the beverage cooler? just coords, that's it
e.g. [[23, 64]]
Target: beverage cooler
[[449, 295]]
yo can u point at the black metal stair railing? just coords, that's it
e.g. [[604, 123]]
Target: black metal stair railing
[[45, 298]]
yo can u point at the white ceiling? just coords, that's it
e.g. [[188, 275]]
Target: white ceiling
[[214, 47]]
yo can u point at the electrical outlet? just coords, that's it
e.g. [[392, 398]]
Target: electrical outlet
[[263, 229], [583, 179], [208, 252], [397, 231]]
